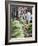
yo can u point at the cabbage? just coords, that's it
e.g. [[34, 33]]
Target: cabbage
[[16, 28]]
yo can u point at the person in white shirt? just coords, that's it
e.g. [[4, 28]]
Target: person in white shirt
[[29, 16]]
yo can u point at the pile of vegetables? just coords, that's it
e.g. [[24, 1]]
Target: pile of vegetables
[[17, 28]]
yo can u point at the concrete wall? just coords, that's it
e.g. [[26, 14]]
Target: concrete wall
[[37, 22]]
